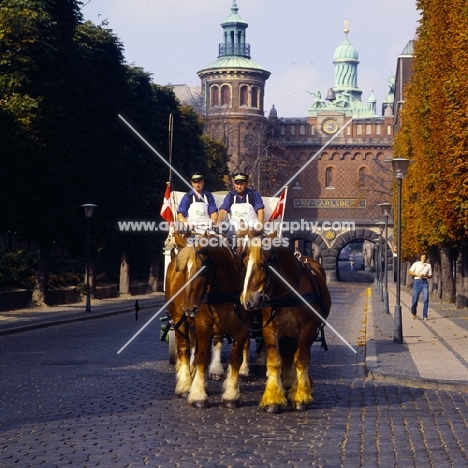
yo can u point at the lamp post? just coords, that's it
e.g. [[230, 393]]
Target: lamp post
[[386, 210], [381, 226], [89, 210], [377, 262], [400, 168]]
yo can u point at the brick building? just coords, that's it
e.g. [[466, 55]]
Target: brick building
[[341, 145]]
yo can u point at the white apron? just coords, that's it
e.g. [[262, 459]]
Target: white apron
[[244, 212], [198, 212]]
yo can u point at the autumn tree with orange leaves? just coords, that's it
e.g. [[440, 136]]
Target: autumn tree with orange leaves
[[434, 135]]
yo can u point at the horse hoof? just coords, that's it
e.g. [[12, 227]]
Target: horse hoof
[[298, 406], [216, 377], [183, 395], [200, 404], [231, 404], [272, 409]]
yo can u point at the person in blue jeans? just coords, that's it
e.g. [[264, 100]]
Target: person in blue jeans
[[421, 271]]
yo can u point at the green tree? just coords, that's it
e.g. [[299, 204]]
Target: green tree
[[63, 84]]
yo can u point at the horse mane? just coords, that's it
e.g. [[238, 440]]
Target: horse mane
[[183, 257]]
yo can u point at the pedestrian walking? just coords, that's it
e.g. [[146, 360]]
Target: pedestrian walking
[[421, 271]]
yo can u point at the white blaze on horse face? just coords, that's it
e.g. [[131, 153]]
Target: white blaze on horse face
[[189, 266], [249, 276]]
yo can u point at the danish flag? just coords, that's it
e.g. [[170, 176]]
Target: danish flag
[[278, 212], [166, 210]]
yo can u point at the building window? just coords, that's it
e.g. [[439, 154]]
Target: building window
[[255, 97], [244, 96], [330, 177], [368, 129], [214, 96], [377, 129], [349, 130], [283, 130], [293, 130], [389, 129], [359, 129], [312, 130], [225, 95], [302, 129], [362, 176]]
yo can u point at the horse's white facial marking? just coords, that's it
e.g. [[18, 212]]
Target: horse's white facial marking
[[253, 259], [189, 265], [248, 274]]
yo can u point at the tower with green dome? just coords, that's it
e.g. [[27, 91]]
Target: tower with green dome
[[233, 89], [346, 63], [345, 96]]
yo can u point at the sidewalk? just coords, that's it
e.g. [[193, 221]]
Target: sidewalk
[[434, 353], [38, 317]]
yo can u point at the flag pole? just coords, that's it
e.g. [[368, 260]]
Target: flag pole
[[283, 211], [171, 138]]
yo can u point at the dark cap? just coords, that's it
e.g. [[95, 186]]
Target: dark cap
[[196, 176], [240, 177]]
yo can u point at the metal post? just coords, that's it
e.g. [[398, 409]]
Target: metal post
[[397, 319], [89, 210], [386, 309], [88, 292]]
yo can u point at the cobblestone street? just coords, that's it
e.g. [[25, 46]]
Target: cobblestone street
[[67, 397]]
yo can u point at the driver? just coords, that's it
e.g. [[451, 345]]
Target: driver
[[242, 203], [197, 208]]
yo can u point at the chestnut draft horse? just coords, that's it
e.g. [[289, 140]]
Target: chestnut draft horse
[[290, 326], [176, 279], [211, 303]]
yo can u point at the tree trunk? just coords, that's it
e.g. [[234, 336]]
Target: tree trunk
[[153, 275], [124, 286], [461, 277], [434, 283], [446, 267], [92, 278], [39, 294]]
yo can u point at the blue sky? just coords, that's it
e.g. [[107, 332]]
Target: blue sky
[[294, 40]]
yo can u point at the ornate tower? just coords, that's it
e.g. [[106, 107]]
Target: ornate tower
[[233, 90], [346, 64]]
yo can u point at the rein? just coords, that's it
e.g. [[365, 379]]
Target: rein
[[287, 300]]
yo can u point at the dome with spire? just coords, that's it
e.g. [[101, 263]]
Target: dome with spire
[[234, 18], [234, 51], [346, 51]]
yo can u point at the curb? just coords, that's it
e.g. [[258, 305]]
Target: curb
[[417, 382], [45, 323]]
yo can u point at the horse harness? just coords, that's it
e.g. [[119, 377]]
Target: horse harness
[[211, 297], [291, 300]]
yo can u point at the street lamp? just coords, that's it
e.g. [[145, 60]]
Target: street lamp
[[386, 210], [381, 226], [89, 210], [400, 168], [377, 262]]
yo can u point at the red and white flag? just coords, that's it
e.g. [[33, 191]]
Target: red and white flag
[[278, 212], [166, 209]]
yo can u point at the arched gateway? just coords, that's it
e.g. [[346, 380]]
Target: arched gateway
[[327, 250]]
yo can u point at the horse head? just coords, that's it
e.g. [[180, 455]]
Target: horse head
[[221, 273], [256, 261], [189, 264]]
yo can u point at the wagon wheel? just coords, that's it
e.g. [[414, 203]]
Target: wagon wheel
[[172, 347]]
